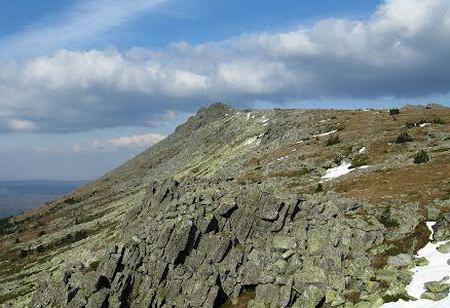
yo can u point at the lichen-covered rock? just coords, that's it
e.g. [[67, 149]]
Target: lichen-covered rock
[[400, 260], [434, 296], [421, 262], [437, 286], [311, 297], [444, 248], [293, 252], [442, 228]]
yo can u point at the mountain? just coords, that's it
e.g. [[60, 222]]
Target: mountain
[[19, 196], [258, 208]]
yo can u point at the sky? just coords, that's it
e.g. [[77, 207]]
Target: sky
[[86, 85]]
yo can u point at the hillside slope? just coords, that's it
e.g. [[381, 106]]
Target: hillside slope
[[234, 209]]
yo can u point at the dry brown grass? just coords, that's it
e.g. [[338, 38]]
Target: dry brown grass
[[242, 300], [416, 183]]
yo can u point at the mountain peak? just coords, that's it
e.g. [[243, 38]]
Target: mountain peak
[[216, 109]]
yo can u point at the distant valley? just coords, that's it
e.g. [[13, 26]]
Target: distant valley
[[20, 196]]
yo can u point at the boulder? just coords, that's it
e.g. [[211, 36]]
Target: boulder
[[437, 286], [442, 228], [400, 260], [444, 248], [283, 243], [421, 262], [434, 296], [312, 297]]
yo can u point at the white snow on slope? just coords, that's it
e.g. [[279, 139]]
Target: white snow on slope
[[340, 170], [434, 271], [264, 119], [325, 134], [424, 124], [362, 150], [251, 140]]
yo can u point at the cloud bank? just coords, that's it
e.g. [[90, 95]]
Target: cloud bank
[[133, 142], [401, 51]]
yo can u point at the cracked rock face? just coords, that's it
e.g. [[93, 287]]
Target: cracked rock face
[[196, 244]]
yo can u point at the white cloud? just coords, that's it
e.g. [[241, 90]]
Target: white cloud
[[133, 142], [251, 77], [21, 125], [401, 51], [69, 70]]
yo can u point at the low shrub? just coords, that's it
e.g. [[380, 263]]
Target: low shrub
[[319, 187], [5, 225], [409, 125], [338, 159], [404, 137], [359, 161], [421, 157], [437, 120], [333, 140], [394, 111]]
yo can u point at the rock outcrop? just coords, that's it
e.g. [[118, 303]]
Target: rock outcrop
[[194, 244]]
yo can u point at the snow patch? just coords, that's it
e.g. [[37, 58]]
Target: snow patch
[[341, 170], [424, 124], [325, 134], [264, 119], [362, 150], [434, 271], [248, 115], [253, 140], [338, 171]]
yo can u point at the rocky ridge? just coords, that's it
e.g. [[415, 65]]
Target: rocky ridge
[[228, 211]]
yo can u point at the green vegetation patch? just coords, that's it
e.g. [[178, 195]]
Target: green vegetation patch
[[421, 157], [437, 120], [5, 226], [361, 160], [333, 140], [404, 137], [64, 241], [394, 111]]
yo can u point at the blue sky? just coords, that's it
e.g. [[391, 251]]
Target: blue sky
[[195, 21], [85, 85]]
